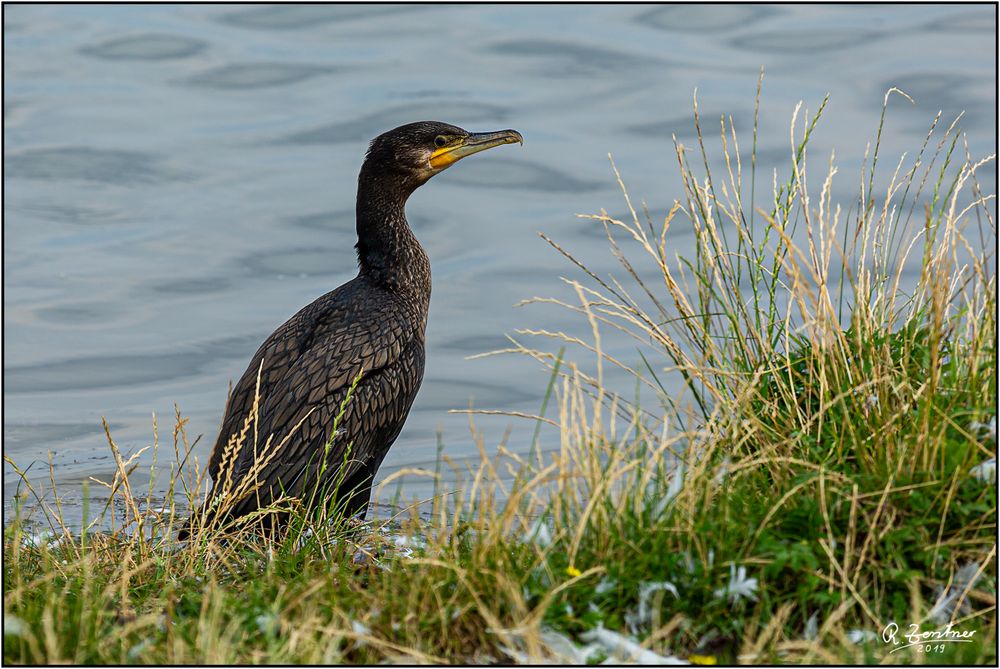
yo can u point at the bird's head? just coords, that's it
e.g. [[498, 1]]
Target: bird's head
[[417, 151]]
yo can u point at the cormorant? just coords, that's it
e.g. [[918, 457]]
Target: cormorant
[[372, 326]]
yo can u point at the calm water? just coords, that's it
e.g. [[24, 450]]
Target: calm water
[[179, 180]]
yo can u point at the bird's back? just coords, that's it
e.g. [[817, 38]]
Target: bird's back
[[307, 367]]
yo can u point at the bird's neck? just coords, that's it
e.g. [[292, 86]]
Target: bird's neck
[[388, 252]]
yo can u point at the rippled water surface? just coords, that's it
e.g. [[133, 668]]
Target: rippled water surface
[[179, 180]]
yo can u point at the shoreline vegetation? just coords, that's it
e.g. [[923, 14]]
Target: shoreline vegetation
[[821, 491]]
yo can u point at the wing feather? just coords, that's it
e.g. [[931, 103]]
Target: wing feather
[[309, 364]]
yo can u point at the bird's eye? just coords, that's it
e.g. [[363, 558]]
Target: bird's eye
[[440, 141]]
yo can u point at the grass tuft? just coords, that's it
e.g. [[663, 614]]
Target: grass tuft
[[806, 462]]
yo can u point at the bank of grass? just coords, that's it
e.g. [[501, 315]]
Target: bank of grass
[[818, 476]]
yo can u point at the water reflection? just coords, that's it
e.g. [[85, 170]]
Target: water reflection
[[520, 175], [312, 261], [805, 41], [181, 179], [88, 164], [291, 16], [190, 286], [442, 394], [257, 75], [340, 223], [18, 435], [964, 23], [77, 214], [112, 371], [81, 313], [684, 128], [366, 127], [554, 58], [146, 47], [948, 93], [702, 18]]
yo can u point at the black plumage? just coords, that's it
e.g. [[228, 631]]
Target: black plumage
[[372, 326]]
